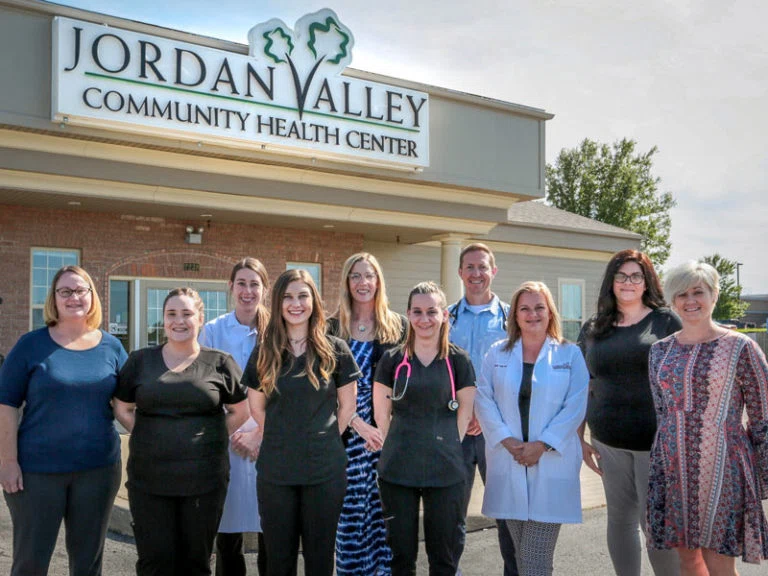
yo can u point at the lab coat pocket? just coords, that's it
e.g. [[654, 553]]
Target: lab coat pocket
[[554, 387]]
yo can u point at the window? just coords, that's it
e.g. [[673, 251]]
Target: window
[[315, 270], [45, 263], [571, 307]]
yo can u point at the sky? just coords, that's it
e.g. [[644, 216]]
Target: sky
[[687, 76]]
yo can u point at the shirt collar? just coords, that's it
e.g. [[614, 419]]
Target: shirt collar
[[493, 306], [232, 322]]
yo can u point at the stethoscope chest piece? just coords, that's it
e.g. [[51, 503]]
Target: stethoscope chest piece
[[453, 405]]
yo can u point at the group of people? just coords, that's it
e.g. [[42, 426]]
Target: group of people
[[334, 433]]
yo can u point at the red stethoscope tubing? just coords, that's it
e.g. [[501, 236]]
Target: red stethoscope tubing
[[452, 405]]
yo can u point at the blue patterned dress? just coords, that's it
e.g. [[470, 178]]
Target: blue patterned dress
[[361, 547]]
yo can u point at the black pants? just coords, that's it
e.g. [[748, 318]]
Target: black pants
[[82, 499], [174, 534], [473, 448], [310, 513], [230, 554], [443, 513]]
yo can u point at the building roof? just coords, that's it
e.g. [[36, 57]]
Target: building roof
[[539, 215]]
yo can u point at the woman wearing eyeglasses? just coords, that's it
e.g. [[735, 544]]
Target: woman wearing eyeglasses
[[423, 398], [631, 316], [63, 461], [370, 328]]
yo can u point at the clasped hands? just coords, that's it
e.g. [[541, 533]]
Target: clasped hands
[[247, 444], [525, 453]]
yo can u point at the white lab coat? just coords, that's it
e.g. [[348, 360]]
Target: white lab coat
[[550, 491]]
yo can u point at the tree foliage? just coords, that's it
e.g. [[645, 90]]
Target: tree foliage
[[615, 185], [729, 305]]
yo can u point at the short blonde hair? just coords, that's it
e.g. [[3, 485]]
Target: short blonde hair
[[682, 277], [51, 313], [554, 329]]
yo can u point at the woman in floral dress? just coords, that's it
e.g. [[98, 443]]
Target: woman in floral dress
[[708, 472]]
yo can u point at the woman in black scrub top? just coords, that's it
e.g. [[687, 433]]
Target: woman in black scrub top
[[423, 398], [302, 394]]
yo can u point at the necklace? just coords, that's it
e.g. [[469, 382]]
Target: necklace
[[361, 328]]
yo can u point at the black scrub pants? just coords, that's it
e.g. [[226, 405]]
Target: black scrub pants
[[443, 514], [83, 500], [174, 534], [307, 512], [230, 554]]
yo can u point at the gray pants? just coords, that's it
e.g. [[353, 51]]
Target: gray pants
[[625, 479], [535, 546], [82, 499]]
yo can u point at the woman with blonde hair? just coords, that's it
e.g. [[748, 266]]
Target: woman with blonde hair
[[708, 471], [370, 328], [62, 462], [237, 332], [532, 396], [423, 398], [302, 396]]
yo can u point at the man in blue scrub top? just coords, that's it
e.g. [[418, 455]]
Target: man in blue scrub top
[[477, 321]]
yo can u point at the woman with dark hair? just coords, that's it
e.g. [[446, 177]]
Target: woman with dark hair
[[631, 316], [236, 333], [531, 399], [302, 396], [370, 328], [423, 398], [62, 462], [181, 402]]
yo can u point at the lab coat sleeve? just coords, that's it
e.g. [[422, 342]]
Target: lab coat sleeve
[[486, 406], [566, 421]]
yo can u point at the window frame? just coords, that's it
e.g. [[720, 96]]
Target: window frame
[[561, 282], [47, 249], [308, 266]]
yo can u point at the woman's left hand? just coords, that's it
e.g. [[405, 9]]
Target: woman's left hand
[[372, 436], [528, 453], [247, 444]]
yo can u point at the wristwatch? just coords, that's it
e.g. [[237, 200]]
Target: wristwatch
[[548, 448]]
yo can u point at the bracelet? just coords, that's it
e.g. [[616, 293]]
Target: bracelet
[[349, 424]]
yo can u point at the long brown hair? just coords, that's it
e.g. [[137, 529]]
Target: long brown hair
[[51, 313], [443, 340], [513, 329], [275, 343], [261, 318], [388, 327], [608, 314]]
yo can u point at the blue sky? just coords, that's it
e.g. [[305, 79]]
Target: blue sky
[[687, 76]]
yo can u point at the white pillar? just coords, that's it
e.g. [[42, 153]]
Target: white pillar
[[450, 249]]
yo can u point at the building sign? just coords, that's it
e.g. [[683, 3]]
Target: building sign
[[287, 95]]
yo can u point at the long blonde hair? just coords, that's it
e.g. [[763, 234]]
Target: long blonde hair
[[388, 327], [513, 329], [51, 313], [443, 340], [319, 350], [262, 313]]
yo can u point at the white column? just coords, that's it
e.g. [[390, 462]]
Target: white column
[[450, 249]]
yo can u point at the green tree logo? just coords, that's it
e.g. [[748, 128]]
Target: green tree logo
[[317, 39]]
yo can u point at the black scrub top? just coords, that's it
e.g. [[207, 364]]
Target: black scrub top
[[422, 448], [302, 444]]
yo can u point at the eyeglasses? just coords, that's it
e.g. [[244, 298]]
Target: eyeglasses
[[634, 278], [369, 276], [67, 292]]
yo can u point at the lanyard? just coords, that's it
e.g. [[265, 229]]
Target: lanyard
[[453, 404]]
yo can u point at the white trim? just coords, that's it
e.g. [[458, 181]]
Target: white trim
[[572, 282]]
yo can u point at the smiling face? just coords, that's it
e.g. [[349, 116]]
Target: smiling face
[[627, 293], [247, 292], [297, 304], [426, 316], [695, 304], [73, 307], [532, 314], [477, 273], [363, 282], [182, 319]]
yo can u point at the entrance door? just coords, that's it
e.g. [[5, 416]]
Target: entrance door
[[152, 293]]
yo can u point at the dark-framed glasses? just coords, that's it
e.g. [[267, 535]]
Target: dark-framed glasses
[[369, 276], [80, 292], [634, 278]]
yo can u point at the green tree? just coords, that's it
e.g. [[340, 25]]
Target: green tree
[[729, 305], [615, 185]]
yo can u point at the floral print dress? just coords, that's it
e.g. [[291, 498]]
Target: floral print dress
[[708, 472]]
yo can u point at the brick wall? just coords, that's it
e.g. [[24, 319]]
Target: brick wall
[[126, 245]]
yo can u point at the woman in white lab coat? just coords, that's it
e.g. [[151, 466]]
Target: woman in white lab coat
[[531, 399]]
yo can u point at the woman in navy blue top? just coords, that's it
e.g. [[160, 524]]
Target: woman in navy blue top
[[63, 460]]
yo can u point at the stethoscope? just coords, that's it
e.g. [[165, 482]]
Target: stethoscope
[[453, 404]]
